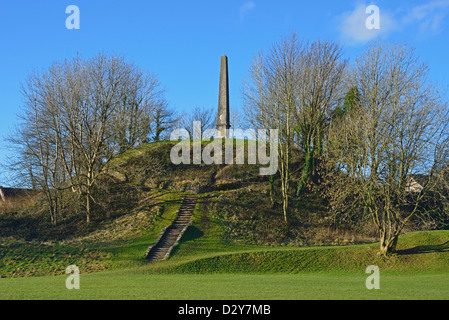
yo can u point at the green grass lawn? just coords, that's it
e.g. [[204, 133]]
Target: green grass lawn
[[139, 286], [419, 272]]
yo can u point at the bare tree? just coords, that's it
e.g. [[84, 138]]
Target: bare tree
[[236, 120], [319, 93], [296, 87], [77, 116], [143, 103], [397, 132], [38, 141], [205, 116], [164, 121], [271, 99]]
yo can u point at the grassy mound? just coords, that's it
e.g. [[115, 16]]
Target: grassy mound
[[119, 241], [235, 229], [22, 259], [418, 252], [207, 248]]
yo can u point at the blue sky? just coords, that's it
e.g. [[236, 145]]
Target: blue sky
[[182, 40]]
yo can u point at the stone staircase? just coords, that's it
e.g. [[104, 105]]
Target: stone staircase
[[171, 235]]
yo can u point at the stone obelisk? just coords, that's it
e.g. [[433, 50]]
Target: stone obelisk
[[223, 123]]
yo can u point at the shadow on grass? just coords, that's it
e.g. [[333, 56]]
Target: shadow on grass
[[426, 249], [191, 234]]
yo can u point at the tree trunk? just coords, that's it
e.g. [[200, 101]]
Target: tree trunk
[[285, 209], [271, 180], [88, 209], [285, 185], [388, 246], [305, 173]]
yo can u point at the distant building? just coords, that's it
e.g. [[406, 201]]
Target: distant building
[[414, 187], [8, 193]]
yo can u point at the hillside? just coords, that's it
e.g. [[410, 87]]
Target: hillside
[[239, 197], [235, 228]]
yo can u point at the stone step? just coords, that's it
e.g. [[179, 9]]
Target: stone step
[[172, 233]]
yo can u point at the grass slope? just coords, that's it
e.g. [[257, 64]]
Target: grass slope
[[205, 266], [413, 258], [204, 249], [212, 260], [117, 243]]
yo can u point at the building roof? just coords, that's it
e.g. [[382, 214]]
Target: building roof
[[6, 193]]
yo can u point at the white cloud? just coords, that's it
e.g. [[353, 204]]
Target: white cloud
[[427, 18], [245, 8], [353, 25]]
